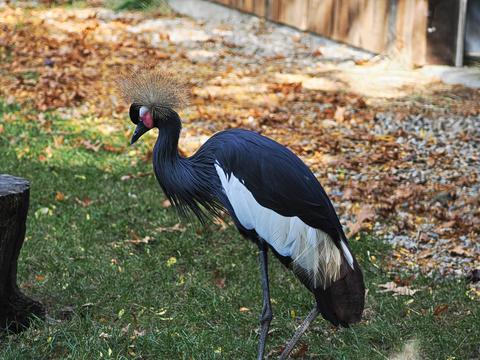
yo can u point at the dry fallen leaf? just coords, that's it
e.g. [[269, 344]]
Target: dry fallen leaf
[[366, 213], [300, 352], [275, 352], [58, 141], [134, 176], [397, 290], [405, 281], [48, 152], [460, 251], [59, 196], [425, 253], [219, 282], [138, 333], [89, 146], [125, 329], [113, 149], [145, 240], [85, 202], [176, 227], [339, 114], [440, 309]]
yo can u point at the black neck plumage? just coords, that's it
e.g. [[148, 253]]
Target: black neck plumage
[[189, 183]]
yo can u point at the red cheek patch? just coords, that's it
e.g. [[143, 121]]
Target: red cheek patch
[[148, 120]]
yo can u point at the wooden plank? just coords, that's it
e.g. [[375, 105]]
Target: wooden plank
[[339, 19], [411, 29], [320, 15], [223, 2], [259, 7], [355, 21], [419, 39], [369, 26], [273, 7], [361, 23], [245, 5], [290, 12], [256, 7], [374, 36]]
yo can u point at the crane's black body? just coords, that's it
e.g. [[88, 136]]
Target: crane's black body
[[279, 181]]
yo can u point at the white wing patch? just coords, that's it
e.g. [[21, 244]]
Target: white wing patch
[[347, 253], [312, 250]]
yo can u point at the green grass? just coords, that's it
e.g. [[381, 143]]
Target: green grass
[[143, 5], [117, 300]]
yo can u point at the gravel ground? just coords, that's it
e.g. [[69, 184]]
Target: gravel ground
[[456, 140], [258, 38]]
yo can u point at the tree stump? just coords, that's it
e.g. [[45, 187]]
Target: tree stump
[[16, 309]]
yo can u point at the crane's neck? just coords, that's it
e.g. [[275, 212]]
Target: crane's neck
[[169, 166], [187, 182], [166, 147]]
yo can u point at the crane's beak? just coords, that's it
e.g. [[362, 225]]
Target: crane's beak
[[139, 131]]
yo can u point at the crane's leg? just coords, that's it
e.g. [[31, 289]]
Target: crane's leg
[[306, 323], [266, 315]]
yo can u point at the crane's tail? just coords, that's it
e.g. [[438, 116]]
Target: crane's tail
[[343, 301]]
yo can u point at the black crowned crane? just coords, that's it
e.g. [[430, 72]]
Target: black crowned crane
[[272, 196]]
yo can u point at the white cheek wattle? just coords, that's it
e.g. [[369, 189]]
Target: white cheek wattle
[[146, 117], [143, 110]]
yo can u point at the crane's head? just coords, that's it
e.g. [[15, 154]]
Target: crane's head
[[153, 94], [141, 116]]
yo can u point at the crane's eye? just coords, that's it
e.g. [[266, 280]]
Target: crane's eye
[[135, 113]]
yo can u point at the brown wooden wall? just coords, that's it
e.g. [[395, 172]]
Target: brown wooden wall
[[251, 6], [395, 27]]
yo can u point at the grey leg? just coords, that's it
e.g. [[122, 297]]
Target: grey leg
[[306, 323], [266, 315]]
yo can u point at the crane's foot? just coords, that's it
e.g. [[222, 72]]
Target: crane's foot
[[265, 320], [293, 341]]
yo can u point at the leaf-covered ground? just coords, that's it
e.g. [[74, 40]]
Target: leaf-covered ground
[[397, 152], [121, 278]]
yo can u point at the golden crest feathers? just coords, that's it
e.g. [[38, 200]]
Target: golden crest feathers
[[153, 88]]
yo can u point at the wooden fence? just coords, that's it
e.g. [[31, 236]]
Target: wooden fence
[[417, 31]]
